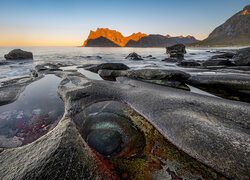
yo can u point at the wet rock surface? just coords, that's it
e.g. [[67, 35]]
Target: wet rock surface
[[18, 54], [110, 66], [136, 130]]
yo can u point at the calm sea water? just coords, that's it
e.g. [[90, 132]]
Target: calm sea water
[[78, 56]]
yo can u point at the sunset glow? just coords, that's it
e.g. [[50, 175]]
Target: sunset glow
[[67, 23]]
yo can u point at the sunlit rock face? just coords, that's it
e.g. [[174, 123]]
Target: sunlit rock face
[[114, 36], [104, 37]]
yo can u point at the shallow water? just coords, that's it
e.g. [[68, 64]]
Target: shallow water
[[33, 114], [80, 56]]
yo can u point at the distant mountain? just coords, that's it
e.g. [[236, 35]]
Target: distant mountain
[[152, 41], [100, 42], [234, 32], [111, 38], [114, 36], [184, 40]]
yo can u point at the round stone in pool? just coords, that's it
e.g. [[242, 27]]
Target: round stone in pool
[[105, 141]]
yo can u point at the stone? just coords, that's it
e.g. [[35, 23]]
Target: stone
[[110, 66], [147, 74], [217, 62], [242, 57], [176, 51], [152, 74], [18, 54], [104, 141], [134, 56], [188, 63]]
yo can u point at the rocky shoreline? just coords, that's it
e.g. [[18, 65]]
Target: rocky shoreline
[[180, 134]]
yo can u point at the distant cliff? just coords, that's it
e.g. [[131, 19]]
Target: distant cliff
[[112, 35], [234, 32], [111, 38]]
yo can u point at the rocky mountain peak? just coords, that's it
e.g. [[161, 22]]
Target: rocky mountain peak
[[114, 36]]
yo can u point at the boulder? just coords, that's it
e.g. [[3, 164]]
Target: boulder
[[188, 63], [242, 57], [134, 56], [217, 62], [18, 54], [176, 51], [110, 66]]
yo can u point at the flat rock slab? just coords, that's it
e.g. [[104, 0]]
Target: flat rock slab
[[212, 130]]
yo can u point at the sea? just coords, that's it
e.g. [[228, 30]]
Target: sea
[[77, 56]]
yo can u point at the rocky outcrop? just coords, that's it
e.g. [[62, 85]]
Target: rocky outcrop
[[111, 35], [239, 58], [109, 66], [176, 51], [234, 32], [134, 56], [134, 40], [18, 54], [242, 57], [100, 42]]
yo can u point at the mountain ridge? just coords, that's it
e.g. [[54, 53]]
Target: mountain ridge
[[134, 40], [235, 31]]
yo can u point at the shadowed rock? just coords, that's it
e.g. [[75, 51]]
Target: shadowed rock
[[18, 54], [176, 51], [134, 56], [110, 66], [188, 63], [242, 57]]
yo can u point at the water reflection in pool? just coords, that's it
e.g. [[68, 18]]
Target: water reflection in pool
[[37, 110]]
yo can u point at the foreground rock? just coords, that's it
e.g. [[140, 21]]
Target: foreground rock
[[176, 51], [110, 66], [18, 54], [134, 56], [194, 123], [212, 131]]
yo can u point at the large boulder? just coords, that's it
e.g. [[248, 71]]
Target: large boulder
[[18, 54], [110, 66], [242, 57], [134, 56], [176, 51]]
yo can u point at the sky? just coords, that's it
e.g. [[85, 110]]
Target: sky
[[68, 22]]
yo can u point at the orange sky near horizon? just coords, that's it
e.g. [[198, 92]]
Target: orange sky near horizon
[[34, 40]]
